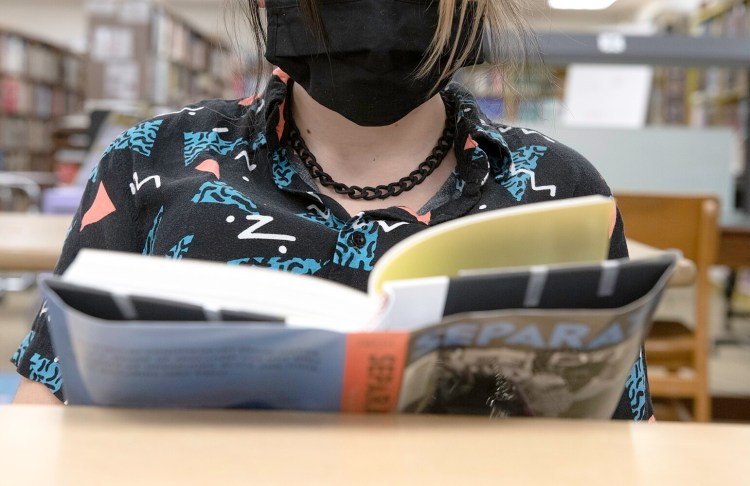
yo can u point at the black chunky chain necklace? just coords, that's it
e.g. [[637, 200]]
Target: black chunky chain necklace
[[368, 193]]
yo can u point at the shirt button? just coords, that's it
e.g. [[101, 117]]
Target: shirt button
[[357, 240]]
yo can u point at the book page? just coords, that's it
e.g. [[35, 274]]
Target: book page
[[565, 231], [298, 300]]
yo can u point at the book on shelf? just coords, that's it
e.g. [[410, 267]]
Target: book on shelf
[[532, 321], [165, 59], [39, 82], [13, 55]]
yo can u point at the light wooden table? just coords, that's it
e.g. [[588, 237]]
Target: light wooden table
[[79, 446], [31, 242]]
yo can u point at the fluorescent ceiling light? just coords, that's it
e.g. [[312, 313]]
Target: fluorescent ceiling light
[[581, 4]]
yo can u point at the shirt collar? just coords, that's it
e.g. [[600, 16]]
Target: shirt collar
[[476, 137]]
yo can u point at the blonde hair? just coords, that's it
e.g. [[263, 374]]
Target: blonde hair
[[499, 24], [508, 40]]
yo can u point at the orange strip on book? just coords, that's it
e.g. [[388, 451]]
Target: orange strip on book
[[373, 370]]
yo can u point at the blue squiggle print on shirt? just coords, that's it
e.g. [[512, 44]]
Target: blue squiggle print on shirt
[[493, 134], [260, 141], [636, 386], [46, 372], [348, 253], [140, 138], [148, 248], [18, 355], [216, 192], [515, 177], [302, 266], [181, 248], [282, 169], [325, 218], [195, 143]]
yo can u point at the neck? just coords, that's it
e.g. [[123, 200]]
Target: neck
[[357, 155]]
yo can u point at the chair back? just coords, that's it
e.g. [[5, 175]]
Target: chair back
[[688, 223], [685, 222]]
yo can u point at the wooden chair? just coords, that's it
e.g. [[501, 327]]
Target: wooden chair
[[688, 223]]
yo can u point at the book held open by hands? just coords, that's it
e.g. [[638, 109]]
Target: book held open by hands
[[531, 320]]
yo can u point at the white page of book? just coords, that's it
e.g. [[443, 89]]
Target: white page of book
[[301, 300]]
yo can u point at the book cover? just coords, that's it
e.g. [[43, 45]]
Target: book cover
[[547, 339], [524, 355]]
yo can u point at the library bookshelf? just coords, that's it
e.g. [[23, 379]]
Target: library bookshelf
[[687, 89], [39, 83], [145, 53]]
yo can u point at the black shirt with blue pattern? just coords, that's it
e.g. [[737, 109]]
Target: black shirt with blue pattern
[[218, 181]]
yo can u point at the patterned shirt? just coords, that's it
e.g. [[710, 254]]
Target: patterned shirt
[[217, 181]]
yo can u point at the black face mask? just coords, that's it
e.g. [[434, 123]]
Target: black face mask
[[375, 48]]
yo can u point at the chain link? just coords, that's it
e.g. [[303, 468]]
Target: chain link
[[369, 193]]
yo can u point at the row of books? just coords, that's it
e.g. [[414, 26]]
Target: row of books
[[14, 161], [176, 41], [174, 84], [39, 62], [24, 98], [721, 94], [23, 161], [669, 103], [28, 134], [698, 97], [673, 100], [729, 19], [160, 60], [39, 82], [532, 96]]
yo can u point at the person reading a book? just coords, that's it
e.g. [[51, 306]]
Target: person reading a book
[[359, 139]]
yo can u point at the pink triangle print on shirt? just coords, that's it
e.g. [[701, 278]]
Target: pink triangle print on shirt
[[101, 208], [422, 218], [210, 165]]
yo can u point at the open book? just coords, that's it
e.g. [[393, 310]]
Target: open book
[[532, 321]]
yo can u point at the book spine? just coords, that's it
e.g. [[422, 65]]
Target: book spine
[[373, 370]]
